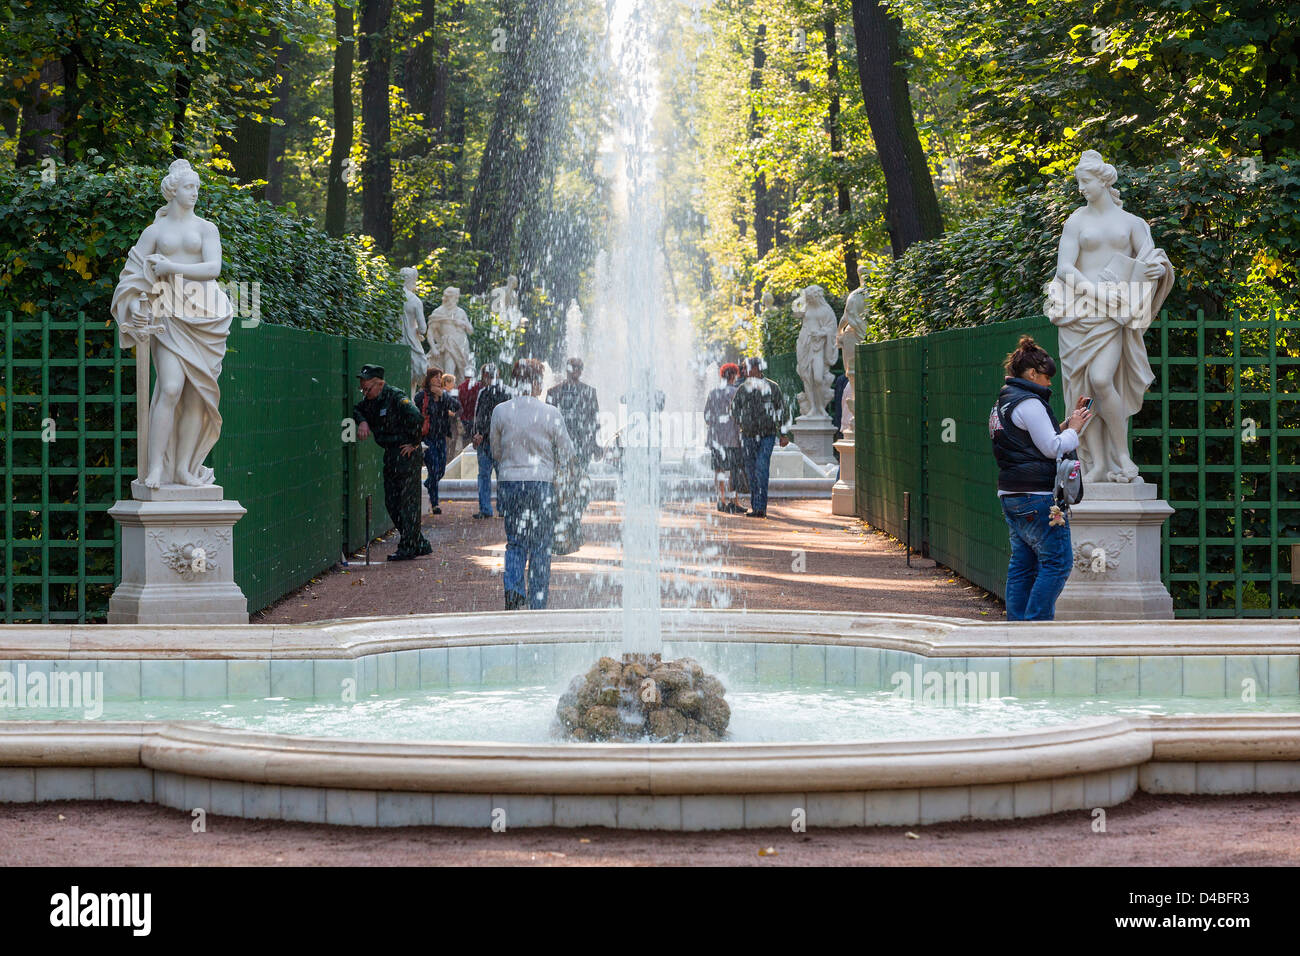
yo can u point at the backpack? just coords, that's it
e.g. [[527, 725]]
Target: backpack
[[1068, 489]]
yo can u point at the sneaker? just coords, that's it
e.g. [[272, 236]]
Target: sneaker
[[435, 510], [735, 509], [399, 556], [723, 508], [755, 514], [480, 514]]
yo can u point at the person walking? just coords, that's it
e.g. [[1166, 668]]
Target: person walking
[[467, 394], [580, 408], [438, 408], [1027, 441], [531, 445], [396, 424], [724, 439], [758, 409], [491, 394]]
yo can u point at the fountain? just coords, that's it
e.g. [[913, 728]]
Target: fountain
[[832, 719]]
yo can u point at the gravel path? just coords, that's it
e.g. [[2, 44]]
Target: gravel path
[[1146, 831], [801, 557]]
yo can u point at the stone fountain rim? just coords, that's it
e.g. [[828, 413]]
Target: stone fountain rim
[[924, 635]]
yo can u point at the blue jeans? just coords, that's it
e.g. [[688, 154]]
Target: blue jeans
[[485, 466], [1041, 558], [758, 460], [435, 459], [528, 508]]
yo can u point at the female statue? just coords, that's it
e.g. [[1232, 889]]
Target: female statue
[[1110, 283], [167, 295], [413, 324], [815, 353], [449, 332]]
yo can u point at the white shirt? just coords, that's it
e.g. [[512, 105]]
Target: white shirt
[[1033, 418]]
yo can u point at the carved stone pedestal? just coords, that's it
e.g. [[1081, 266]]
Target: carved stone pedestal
[[844, 490], [814, 434], [1115, 534], [177, 558]]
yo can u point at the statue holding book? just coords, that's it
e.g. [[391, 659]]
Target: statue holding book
[[1109, 285]]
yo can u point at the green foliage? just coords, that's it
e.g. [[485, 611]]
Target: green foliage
[[127, 74], [62, 245], [1231, 231]]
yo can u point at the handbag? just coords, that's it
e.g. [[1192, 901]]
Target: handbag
[[424, 429]]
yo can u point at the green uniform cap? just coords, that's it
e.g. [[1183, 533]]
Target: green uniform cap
[[370, 371]]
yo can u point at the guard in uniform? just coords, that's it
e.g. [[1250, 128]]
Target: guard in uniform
[[396, 424]]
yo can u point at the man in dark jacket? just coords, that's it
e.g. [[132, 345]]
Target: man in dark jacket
[[396, 423], [492, 394], [581, 410], [759, 412]]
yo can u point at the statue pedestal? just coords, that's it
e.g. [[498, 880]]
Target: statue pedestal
[[815, 435], [1115, 535], [177, 557], [844, 491]]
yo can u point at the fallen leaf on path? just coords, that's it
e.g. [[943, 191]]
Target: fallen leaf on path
[[62, 817], [767, 851], [911, 836]]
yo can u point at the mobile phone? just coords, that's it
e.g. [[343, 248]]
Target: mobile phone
[[1087, 405]]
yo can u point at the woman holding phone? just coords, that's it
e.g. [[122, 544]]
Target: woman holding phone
[[1027, 441]]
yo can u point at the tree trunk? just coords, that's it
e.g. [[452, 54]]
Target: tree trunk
[[495, 203], [837, 147], [336, 200], [42, 117], [377, 170], [279, 132], [248, 147], [181, 85], [912, 208], [425, 74], [764, 233]]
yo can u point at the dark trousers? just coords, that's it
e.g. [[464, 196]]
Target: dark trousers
[[758, 461], [402, 499], [435, 459]]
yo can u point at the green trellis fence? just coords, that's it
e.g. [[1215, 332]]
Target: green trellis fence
[[67, 452], [1219, 433]]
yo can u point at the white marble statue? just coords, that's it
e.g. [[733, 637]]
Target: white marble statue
[[448, 336], [505, 302], [1109, 285], [168, 304], [414, 326], [815, 353], [853, 326]]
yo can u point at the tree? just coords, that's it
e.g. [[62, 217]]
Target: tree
[[913, 209], [843, 202], [376, 119], [336, 202]]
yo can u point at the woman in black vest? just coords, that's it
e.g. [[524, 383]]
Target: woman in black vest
[[1027, 441]]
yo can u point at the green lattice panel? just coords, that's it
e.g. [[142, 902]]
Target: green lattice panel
[[965, 528], [889, 397]]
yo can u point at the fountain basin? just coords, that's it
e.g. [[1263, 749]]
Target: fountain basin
[[1093, 762]]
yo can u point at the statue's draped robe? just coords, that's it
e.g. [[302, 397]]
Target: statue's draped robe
[[195, 324], [815, 353], [1088, 327], [412, 330]]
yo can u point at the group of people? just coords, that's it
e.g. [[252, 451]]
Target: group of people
[[746, 418], [538, 449]]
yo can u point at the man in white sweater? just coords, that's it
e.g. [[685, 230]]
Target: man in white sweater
[[531, 445]]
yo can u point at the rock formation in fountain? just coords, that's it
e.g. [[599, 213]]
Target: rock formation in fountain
[[644, 697]]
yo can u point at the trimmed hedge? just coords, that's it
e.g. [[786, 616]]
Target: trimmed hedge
[[1231, 229], [63, 244]]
